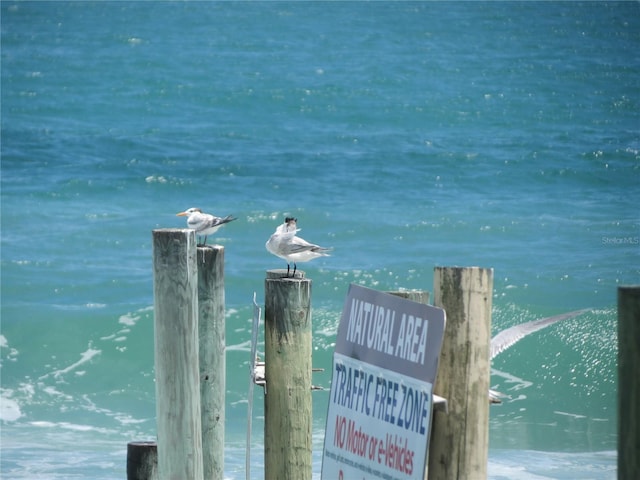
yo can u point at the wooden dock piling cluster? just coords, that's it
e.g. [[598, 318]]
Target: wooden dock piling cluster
[[189, 361], [190, 370]]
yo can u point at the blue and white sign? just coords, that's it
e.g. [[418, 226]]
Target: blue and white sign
[[380, 405]]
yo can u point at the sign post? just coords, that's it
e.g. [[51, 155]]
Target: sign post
[[380, 405]]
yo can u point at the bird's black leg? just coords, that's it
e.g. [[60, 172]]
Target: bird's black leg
[[294, 269], [287, 269]]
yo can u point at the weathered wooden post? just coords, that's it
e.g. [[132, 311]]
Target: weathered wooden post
[[211, 329], [460, 439], [628, 382], [175, 286], [142, 461], [419, 296], [287, 401]]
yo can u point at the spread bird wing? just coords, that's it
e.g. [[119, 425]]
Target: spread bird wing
[[508, 337]]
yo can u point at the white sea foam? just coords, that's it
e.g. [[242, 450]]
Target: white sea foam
[[240, 347], [573, 415], [85, 357], [129, 319], [9, 409], [518, 383], [12, 355], [96, 305]]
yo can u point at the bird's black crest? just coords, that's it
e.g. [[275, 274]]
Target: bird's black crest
[[290, 219]]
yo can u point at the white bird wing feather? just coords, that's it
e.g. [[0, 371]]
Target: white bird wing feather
[[508, 337], [205, 221]]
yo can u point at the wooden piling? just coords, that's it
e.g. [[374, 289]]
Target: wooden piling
[[628, 382], [460, 439], [418, 296], [287, 403], [175, 285], [142, 461], [211, 333]]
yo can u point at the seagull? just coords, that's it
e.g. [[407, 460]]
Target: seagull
[[506, 338], [284, 244], [203, 223]]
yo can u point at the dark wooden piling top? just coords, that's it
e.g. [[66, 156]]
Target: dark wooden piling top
[[281, 274]]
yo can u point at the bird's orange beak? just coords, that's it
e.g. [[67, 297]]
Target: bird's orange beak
[[181, 214]]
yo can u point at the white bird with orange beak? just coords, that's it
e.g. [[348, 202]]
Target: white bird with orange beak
[[204, 224]]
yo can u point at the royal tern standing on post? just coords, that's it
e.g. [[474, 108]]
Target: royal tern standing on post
[[284, 244], [203, 223]]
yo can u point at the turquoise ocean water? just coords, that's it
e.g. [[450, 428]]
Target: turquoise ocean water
[[405, 135]]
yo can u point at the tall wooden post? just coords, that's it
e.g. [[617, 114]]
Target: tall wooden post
[[211, 330], [628, 382], [175, 286], [460, 439], [287, 401]]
